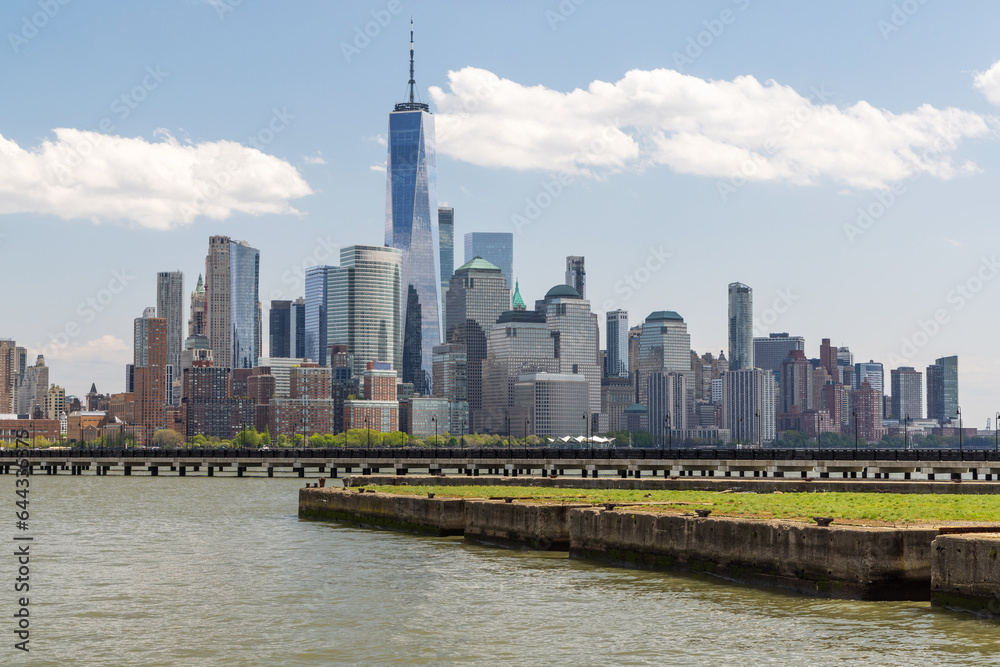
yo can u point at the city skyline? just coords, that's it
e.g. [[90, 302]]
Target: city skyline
[[929, 315]]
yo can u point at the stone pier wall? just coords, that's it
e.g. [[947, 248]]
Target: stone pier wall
[[965, 573]]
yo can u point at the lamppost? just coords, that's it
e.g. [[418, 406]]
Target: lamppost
[[906, 420], [435, 420], [462, 436], [670, 433], [586, 431], [741, 427], [759, 442], [854, 413], [526, 422], [958, 411], [369, 429], [996, 440]]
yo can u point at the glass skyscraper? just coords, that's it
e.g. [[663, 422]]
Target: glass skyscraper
[[740, 327], [446, 233], [363, 305], [314, 342], [232, 269], [497, 248], [411, 225], [616, 362]]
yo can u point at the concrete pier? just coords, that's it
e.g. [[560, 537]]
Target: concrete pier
[[965, 573]]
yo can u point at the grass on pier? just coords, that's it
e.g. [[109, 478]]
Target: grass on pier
[[860, 508]]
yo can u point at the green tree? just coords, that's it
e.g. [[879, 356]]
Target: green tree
[[166, 437]]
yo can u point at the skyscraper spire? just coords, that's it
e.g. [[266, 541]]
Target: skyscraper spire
[[411, 104], [412, 81]]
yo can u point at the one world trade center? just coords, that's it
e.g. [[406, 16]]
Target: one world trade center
[[411, 225]]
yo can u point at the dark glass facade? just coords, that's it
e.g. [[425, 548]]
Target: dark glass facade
[[279, 329], [411, 224]]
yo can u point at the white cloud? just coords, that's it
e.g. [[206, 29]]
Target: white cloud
[[988, 83], [379, 167], [314, 159], [762, 131], [158, 185], [106, 349], [378, 139]]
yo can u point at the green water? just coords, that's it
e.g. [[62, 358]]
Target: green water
[[198, 571]]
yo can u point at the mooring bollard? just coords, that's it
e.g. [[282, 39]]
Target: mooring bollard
[[823, 521], [322, 482], [703, 513]]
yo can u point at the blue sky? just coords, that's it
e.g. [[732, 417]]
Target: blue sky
[[678, 146]]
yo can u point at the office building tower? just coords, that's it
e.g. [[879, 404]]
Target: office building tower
[[55, 403], [363, 308], [844, 356], [907, 393], [664, 344], [616, 335], [768, 353], [519, 343], [279, 330], [497, 248], [947, 406], [196, 318], [379, 409], [706, 368], [575, 330], [451, 372], [741, 346], [8, 376], [31, 396], [549, 404], [170, 306], [616, 395], [477, 296], [316, 313], [668, 400], [411, 225], [633, 350], [935, 393], [232, 323], [297, 328], [446, 233], [150, 374], [748, 404], [576, 275], [872, 373]]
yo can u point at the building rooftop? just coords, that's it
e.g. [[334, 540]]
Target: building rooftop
[[636, 408], [524, 316], [477, 263], [562, 292], [660, 315]]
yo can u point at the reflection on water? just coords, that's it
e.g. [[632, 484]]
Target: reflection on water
[[198, 571]]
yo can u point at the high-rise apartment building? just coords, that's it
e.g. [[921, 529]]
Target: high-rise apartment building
[[768, 353], [872, 373], [411, 225], [497, 248], [170, 306], [616, 335], [828, 357], [297, 328], [232, 323], [451, 371], [477, 296], [796, 385], [741, 347], [8, 376], [576, 275], [867, 410], [31, 395], [363, 307], [667, 394], [946, 390], [150, 374], [907, 392], [446, 234], [317, 313]]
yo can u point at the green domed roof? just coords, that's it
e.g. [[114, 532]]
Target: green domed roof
[[477, 263], [562, 292], [518, 301], [660, 315], [636, 408]]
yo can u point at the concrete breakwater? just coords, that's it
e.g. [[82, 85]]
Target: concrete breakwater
[[848, 562], [755, 485]]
